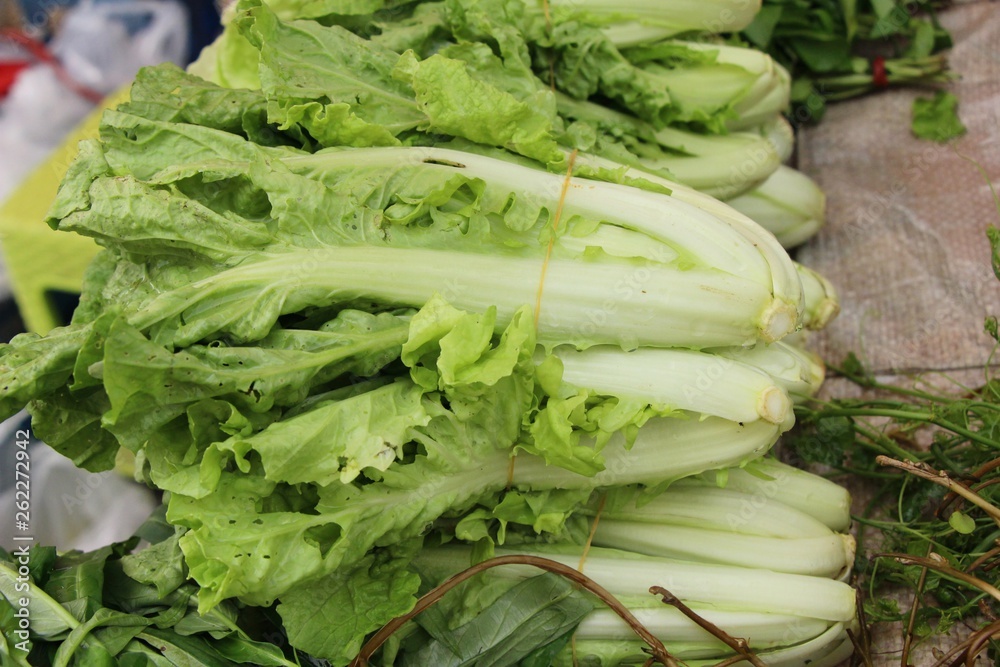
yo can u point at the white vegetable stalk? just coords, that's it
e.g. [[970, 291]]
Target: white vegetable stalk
[[691, 232], [789, 204], [676, 630], [785, 283], [829, 649], [692, 225], [583, 302], [781, 134], [721, 165], [720, 509], [828, 556], [727, 165], [796, 370], [725, 81], [653, 21], [680, 379], [665, 449], [772, 100], [721, 587], [817, 496], [822, 304]]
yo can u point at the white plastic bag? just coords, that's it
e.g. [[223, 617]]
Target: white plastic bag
[[48, 501], [101, 46]]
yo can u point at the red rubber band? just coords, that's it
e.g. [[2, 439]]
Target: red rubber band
[[8, 74], [879, 76], [42, 54]]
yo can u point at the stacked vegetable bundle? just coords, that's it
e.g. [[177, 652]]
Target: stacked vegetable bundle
[[399, 291], [695, 110]]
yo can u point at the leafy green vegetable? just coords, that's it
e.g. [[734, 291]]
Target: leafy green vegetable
[[530, 617], [332, 617], [415, 273], [836, 50], [937, 118], [83, 609]]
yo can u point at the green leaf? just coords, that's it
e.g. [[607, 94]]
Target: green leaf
[[31, 366], [329, 618], [247, 651], [924, 39], [138, 654], [77, 576], [443, 86], [826, 443], [855, 368], [993, 234], [532, 615], [761, 30], [48, 618], [823, 55], [220, 621], [70, 422], [161, 564], [193, 100], [992, 327], [10, 654], [962, 522], [937, 119], [545, 656], [185, 651], [81, 638], [882, 609], [155, 528], [338, 440]]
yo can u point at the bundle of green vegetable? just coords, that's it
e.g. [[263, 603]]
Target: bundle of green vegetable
[[703, 113], [838, 49], [380, 300]]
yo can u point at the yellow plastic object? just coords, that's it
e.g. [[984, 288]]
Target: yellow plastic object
[[39, 260]]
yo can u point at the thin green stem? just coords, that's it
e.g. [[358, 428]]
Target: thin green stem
[[907, 415], [923, 471], [902, 528]]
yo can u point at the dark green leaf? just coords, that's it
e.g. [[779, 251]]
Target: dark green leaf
[[116, 637], [93, 651], [9, 640], [761, 30], [246, 651], [155, 528], [525, 619], [40, 562], [544, 656], [882, 609], [917, 502], [992, 328], [161, 564], [327, 618], [185, 651], [824, 55], [826, 442], [219, 621], [126, 594], [77, 576], [48, 618]]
